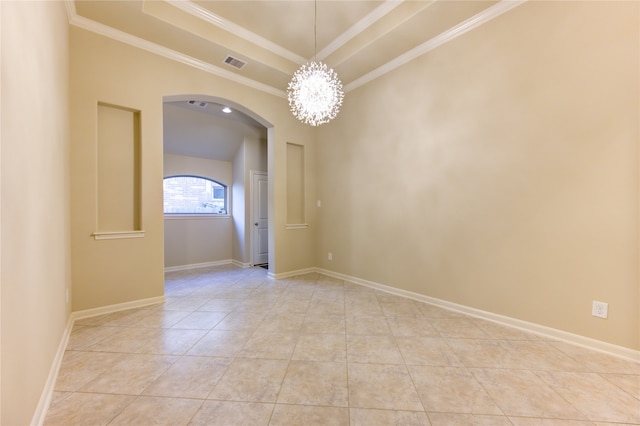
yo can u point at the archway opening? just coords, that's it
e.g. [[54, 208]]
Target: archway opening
[[218, 139]]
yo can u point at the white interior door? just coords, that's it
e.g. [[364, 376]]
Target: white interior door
[[259, 219]]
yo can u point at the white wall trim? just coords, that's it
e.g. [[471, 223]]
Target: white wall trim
[[198, 265], [104, 30], [117, 235], [213, 19], [47, 392], [49, 386], [437, 41], [241, 264], [220, 22], [70, 6], [192, 8], [140, 303], [283, 275], [195, 216], [575, 339], [586, 342], [373, 17]]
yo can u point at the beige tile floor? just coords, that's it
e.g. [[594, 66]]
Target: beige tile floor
[[232, 347]]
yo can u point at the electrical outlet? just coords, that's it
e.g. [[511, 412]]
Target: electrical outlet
[[330, 256], [600, 309], [319, 203]]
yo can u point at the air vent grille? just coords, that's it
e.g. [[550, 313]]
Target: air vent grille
[[234, 62]]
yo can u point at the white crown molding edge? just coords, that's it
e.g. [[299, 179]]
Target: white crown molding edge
[[199, 12], [196, 10], [104, 30], [373, 17], [553, 333], [474, 22], [70, 6]]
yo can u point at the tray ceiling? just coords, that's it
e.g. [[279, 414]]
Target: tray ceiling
[[360, 40]]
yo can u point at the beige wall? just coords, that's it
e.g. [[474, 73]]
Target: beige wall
[[297, 237], [35, 260], [103, 70], [254, 158], [194, 240], [499, 171], [220, 171], [511, 184], [238, 246]]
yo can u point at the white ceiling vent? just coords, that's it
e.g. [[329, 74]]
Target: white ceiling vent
[[234, 62], [198, 103]]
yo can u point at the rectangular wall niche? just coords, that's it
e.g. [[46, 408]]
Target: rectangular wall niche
[[119, 194], [295, 184]]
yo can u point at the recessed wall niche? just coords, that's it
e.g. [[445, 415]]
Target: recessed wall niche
[[119, 192], [295, 184]]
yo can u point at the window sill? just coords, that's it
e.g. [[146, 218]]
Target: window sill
[[195, 216], [117, 235]]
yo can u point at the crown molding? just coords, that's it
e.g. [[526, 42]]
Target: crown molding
[[112, 33], [442, 38], [210, 17], [474, 22], [359, 26], [70, 6]]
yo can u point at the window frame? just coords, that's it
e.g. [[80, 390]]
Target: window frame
[[195, 214]]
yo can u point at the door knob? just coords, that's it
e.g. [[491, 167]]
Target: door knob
[[255, 224]]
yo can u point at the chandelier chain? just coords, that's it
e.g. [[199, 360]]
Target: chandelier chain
[[315, 92]]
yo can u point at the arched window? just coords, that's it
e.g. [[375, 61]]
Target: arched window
[[194, 195]]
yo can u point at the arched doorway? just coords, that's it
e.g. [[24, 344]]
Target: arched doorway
[[217, 139]]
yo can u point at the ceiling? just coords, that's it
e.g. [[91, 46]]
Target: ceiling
[[359, 39], [202, 129]]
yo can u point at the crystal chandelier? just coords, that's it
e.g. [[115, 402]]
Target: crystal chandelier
[[315, 92]]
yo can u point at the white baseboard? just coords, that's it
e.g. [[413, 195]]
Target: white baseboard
[[241, 264], [47, 393], [575, 339], [198, 265], [207, 264], [597, 345], [87, 313], [292, 273]]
